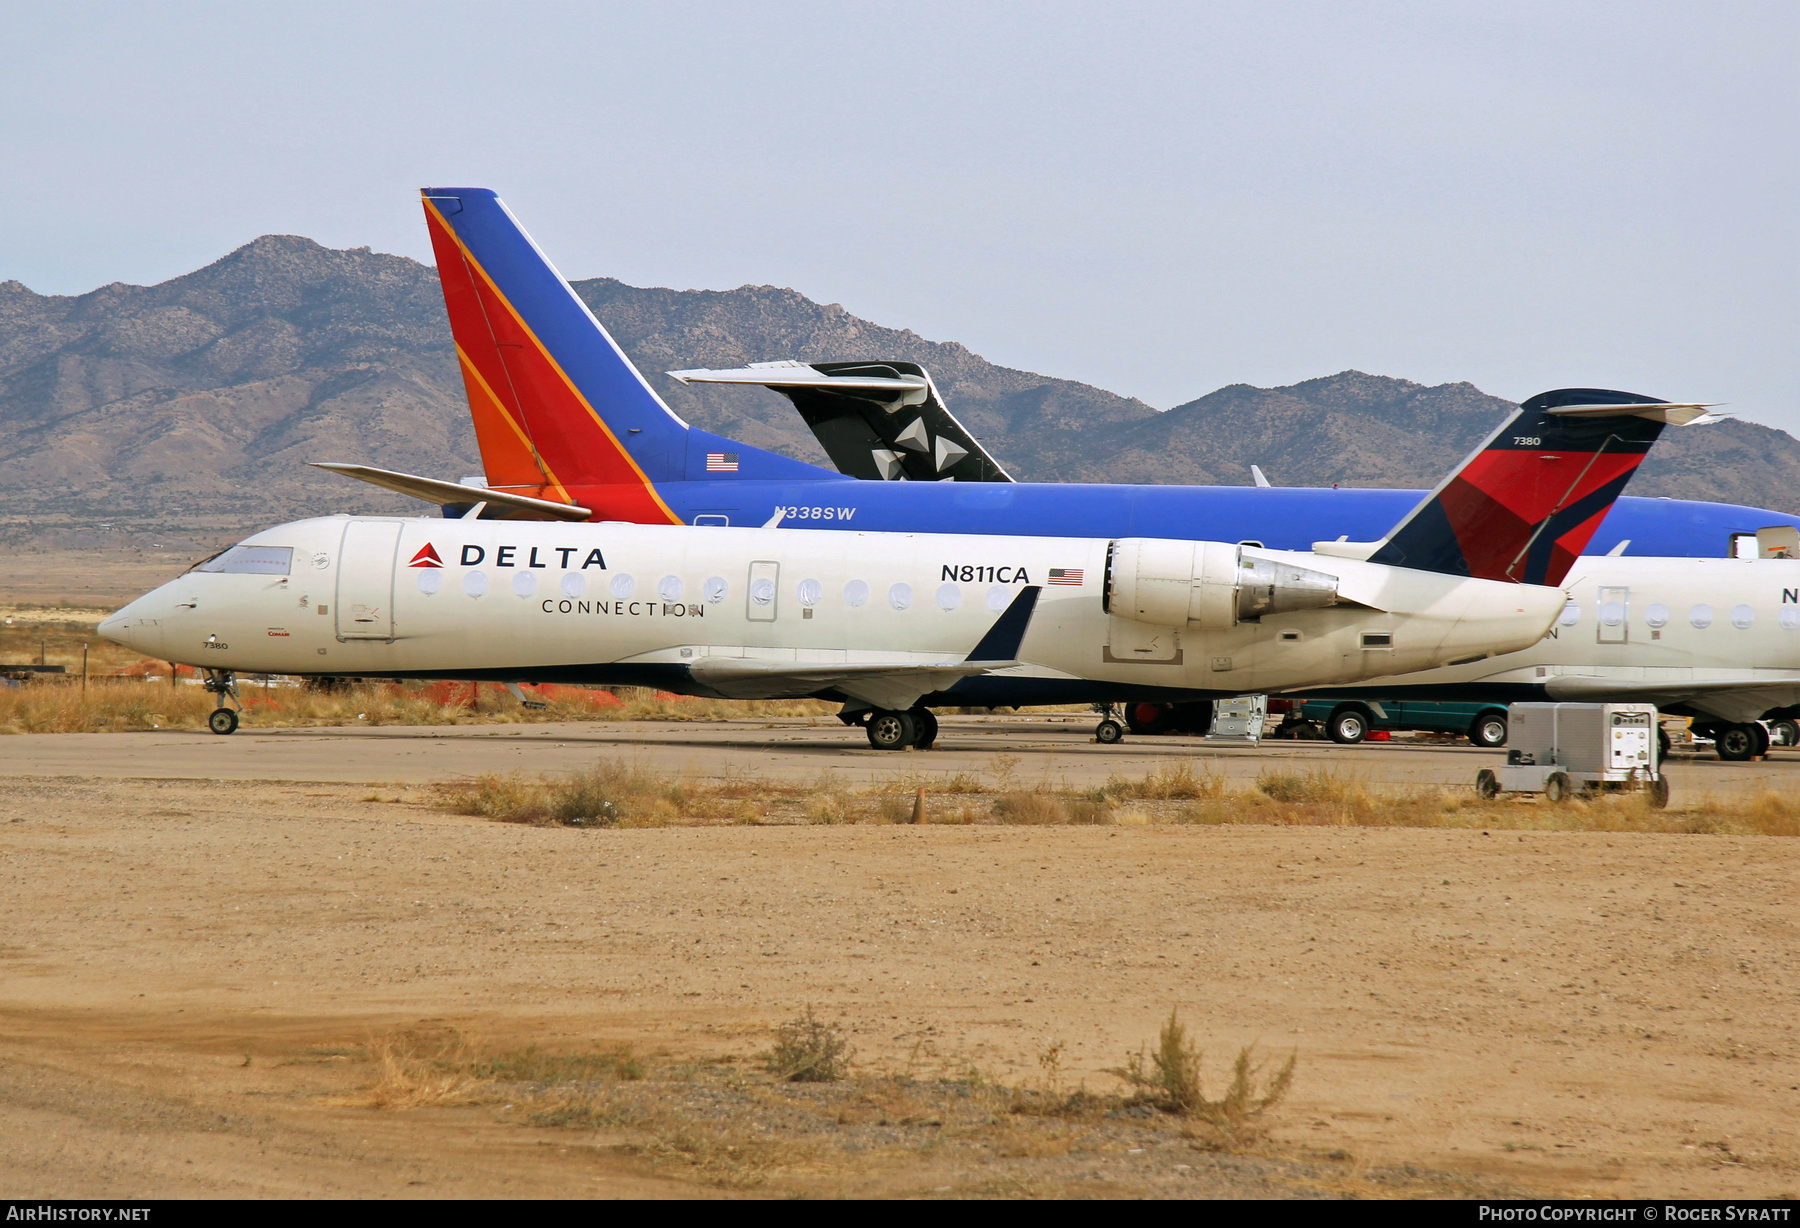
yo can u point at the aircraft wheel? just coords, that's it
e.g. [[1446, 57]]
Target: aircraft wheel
[[1487, 785], [926, 721], [1784, 732], [1348, 725], [222, 721], [1489, 730], [1736, 743], [1109, 731], [1761, 733], [891, 730], [1658, 793], [1556, 788]]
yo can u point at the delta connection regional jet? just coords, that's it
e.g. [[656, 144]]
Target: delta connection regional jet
[[890, 624]]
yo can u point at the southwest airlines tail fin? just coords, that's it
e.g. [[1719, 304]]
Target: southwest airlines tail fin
[[556, 403], [1524, 504]]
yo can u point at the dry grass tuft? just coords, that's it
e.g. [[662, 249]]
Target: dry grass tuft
[[1178, 781], [809, 1050], [1773, 814], [644, 704], [625, 795], [415, 1068], [116, 704], [1315, 786], [108, 706], [606, 795], [1030, 809], [1171, 1080], [830, 803], [718, 1123]]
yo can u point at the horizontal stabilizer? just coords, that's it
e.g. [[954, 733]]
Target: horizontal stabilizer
[[800, 375], [1669, 414], [1346, 550], [878, 420], [455, 494]]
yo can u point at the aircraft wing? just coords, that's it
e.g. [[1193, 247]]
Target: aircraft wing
[[897, 686], [455, 494], [892, 684], [878, 420], [1737, 695]]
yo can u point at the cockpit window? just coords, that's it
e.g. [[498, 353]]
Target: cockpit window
[[250, 561]]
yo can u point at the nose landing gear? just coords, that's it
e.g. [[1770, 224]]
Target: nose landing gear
[[223, 683]]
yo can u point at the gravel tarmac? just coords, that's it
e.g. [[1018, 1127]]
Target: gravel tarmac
[[190, 969]]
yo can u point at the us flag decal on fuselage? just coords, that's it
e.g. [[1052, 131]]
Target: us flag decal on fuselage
[[1065, 575], [721, 462]]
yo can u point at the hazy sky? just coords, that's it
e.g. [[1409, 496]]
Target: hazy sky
[[1158, 199]]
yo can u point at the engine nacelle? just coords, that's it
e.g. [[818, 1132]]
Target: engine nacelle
[[1209, 586]]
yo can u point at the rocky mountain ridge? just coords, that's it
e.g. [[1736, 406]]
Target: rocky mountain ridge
[[189, 408]]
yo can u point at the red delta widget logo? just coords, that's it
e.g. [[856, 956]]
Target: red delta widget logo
[[426, 557]]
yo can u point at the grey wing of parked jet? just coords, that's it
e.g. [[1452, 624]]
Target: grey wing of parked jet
[[878, 420]]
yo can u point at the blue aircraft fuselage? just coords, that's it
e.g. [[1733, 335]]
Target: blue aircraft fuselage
[[1282, 518]]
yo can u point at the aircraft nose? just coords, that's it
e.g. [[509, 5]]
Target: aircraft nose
[[119, 626], [138, 626]]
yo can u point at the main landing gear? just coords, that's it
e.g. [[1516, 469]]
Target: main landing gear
[[223, 683], [891, 730], [1110, 730], [1737, 743]]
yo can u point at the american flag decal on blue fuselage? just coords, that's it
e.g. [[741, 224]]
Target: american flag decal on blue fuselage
[[721, 462]]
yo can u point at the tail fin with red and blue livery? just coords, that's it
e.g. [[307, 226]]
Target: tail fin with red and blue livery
[[1524, 504]]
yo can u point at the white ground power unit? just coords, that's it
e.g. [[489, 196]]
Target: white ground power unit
[[1239, 720], [1559, 749]]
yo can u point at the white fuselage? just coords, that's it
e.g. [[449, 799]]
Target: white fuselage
[[623, 603], [1720, 636]]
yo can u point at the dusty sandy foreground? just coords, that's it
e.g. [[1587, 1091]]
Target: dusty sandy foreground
[[193, 972]]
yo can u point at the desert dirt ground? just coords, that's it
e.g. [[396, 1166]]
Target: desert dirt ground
[[204, 941], [92, 578]]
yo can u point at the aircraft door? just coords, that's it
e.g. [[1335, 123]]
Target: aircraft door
[[365, 580], [1614, 621], [763, 591]]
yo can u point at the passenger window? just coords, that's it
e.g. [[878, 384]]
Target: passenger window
[[249, 561]]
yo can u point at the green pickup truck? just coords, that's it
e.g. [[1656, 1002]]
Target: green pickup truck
[[1352, 720], [1342, 720]]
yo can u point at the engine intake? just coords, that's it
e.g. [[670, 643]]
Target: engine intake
[[1209, 586]]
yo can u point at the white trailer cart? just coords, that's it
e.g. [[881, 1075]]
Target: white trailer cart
[[1559, 749]]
